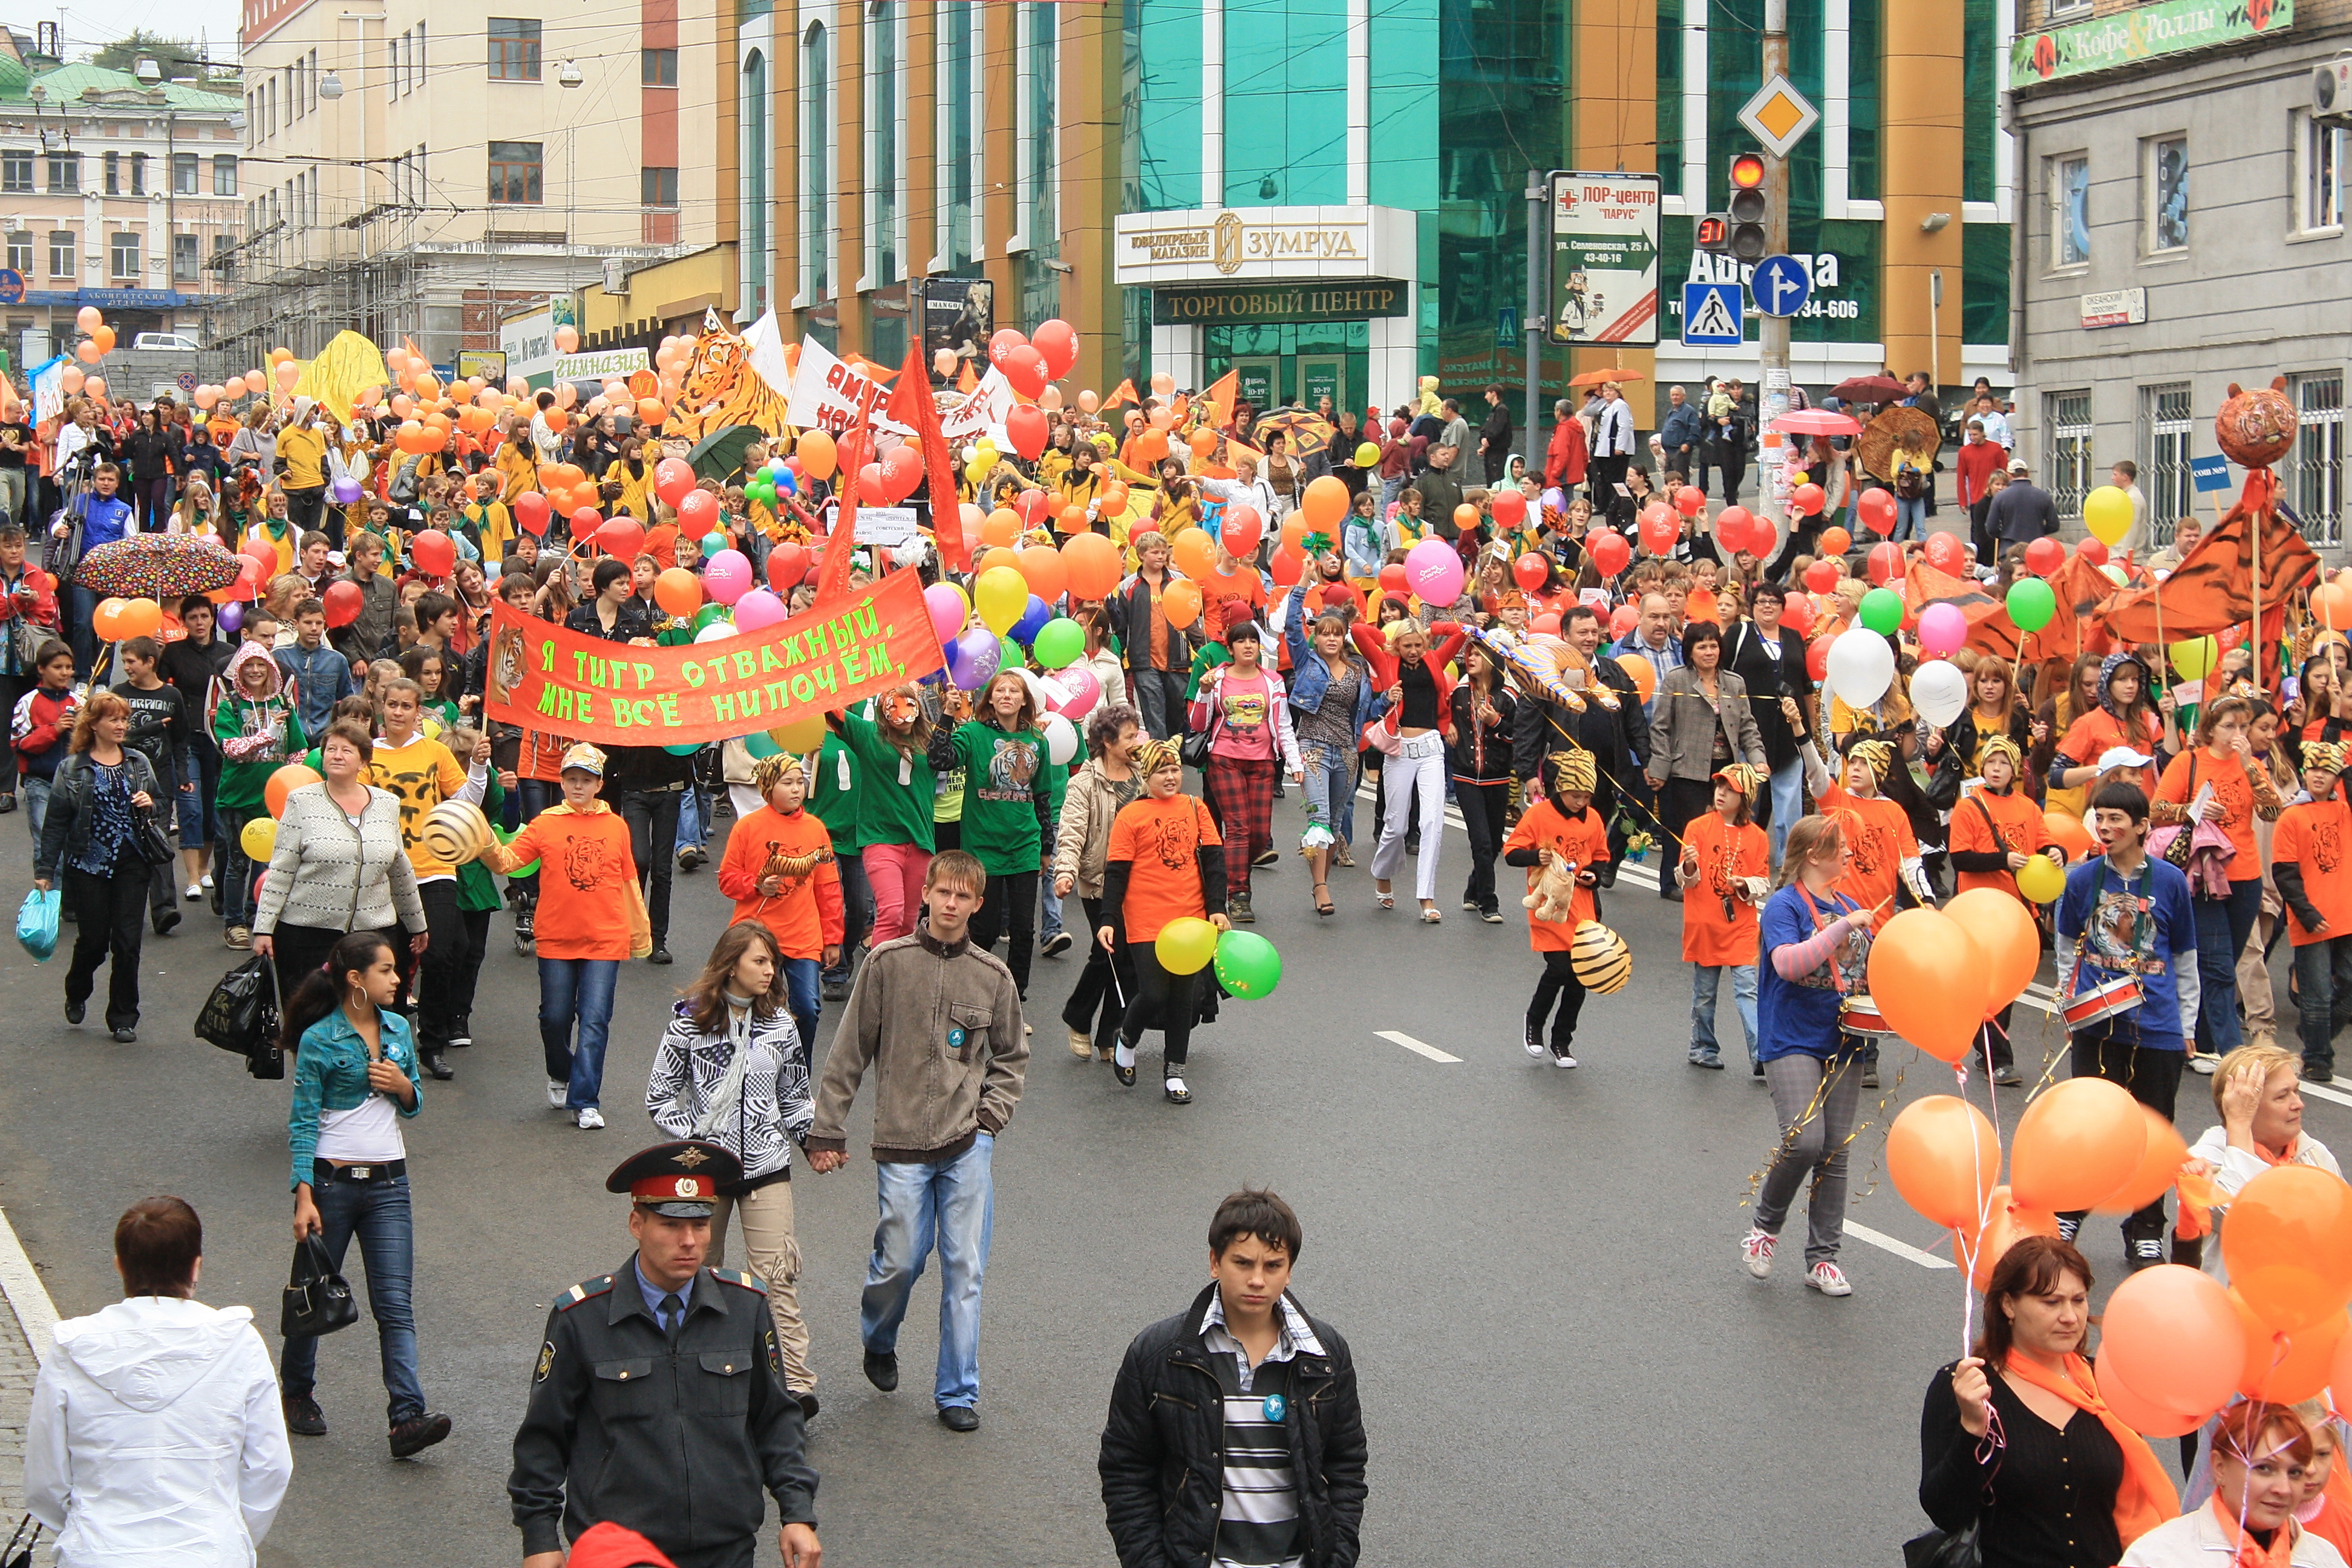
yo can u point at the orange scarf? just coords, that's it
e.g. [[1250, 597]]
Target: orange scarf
[[2251, 1553], [2146, 1498]]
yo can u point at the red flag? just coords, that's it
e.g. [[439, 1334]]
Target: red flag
[[1123, 393], [833, 570], [1221, 395], [911, 405]]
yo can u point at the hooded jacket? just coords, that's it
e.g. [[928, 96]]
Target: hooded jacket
[[256, 735], [156, 1439]]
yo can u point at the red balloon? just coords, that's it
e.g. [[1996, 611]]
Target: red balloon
[[1877, 509], [1798, 614], [1690, 500], [1808, 499], [586, 524], [1946, 554], [1608, 551], [263, 550], [1026, 426], [698, 514], [1392, 577], [1002, 342], [1056, 342], [870, 489], [1509, 508], [1289, 565], [902, 472], [673, 477], [1659, 533], [2043, 556], [1623, 619], [1532, 571], [1024, 367], [1817, 659], [1822, 576], [1243, 530], [531, 511], [1034, 507], [433, 552], [344, 601], [1886, 563], [2092, 551], [787, 564], [1732, 531], [623, 536]]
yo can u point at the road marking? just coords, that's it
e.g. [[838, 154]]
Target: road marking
[[2337, 1095], [1418, 1047], [1885, 1242], [20, 1283]]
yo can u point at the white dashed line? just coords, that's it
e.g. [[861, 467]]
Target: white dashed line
[[1418, 1047], [1885, 1242]]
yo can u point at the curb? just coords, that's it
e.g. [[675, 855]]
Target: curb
[[20, 1283]]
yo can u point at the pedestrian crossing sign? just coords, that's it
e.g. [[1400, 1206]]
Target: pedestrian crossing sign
[[1712, 316]]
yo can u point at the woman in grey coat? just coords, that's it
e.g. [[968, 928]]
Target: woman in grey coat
[[1699, 724]]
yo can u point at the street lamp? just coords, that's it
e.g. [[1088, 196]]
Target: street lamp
[[330, 87]]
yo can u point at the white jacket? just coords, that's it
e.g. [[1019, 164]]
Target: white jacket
[[157, 1439], [2195, 1540], [2233, 1168]]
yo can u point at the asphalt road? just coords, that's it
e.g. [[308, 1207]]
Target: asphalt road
[[1561, 1361]]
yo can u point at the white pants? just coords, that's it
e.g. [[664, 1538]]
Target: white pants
[[775, 1257], [1405, 778]]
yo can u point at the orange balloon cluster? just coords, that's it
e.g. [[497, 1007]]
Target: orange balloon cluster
[[118, 620]]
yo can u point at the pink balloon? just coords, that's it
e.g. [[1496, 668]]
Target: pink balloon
[[1943, 629], [1083, 688], [756, 608], [1433, 570], [947, 610], [727, 576]]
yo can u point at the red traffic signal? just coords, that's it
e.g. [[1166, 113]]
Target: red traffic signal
[[1746, 172], [1713, 233]]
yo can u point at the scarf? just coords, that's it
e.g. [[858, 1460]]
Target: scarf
[[2146, 1498], [2249, 1552]]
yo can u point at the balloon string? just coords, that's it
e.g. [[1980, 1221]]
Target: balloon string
[[1968, 1247]]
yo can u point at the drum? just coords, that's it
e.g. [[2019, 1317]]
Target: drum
[[1860, 1015], [2102, 1002]]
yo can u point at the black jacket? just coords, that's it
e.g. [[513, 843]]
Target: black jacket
[[1162, 1459], [1544, 727], [1131, 617], [65, 831]]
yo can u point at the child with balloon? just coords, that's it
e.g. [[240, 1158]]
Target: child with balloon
[[1163, 887]]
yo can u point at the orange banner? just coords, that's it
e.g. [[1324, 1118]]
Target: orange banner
[[544, 678]]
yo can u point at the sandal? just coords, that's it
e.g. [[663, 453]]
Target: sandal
[[1386, 900], [1431, 918], [1323, 900]]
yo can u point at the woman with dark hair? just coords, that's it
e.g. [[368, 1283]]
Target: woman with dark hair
[[2123, 720], [155, 453], [1096, 794], [1420, 699], [733, 1069], [2014, 1440], [356, 1080], [1700, 723], [100, 801], [1008, 797], [1769, 657], [614, 614], [1245, 710], [1480, 762]]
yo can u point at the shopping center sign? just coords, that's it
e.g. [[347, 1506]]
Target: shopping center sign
[[1221, 245], [2144, 32]]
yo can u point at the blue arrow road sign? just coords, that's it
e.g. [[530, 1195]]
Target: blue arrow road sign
[[1780, 286], [1712, 316]]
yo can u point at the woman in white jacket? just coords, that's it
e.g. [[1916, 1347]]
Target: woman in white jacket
[[2259, 1452], [156, 1439], [2257, 1090]]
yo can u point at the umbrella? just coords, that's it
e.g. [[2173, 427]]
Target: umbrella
[[1308, 433], [1595, 377], [720, 453], [159, 567], [1817, 422], [1871, 389]]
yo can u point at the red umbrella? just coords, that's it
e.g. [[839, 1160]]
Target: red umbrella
[[1817, 422], [1871, 389]]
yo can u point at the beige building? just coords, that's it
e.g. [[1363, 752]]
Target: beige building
[[421, 169]]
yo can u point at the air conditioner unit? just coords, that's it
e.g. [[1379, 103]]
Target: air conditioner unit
[[617, 277], [2331, 92]]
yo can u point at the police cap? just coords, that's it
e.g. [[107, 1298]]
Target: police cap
[[680, 1180]]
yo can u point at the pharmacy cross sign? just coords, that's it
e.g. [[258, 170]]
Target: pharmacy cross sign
[[1779, 115]]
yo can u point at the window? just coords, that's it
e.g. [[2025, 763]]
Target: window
[[17, 169], [2069, 421], [2319, 177], [2165, 414], [61, 252], [816, 163], [20, 252], [65, 173], [515, 174], [514, 49], [2166, 184], [224, 174], [882, 113], [657, 67], [660, 186], [114, 173], [138, 173], [959, 116], [2070, 212], [2315, 469], [123, 256], [185, 176], [188, 258], [224, 254], [751, 180]]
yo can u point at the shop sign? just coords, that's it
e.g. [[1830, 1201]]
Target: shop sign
[[1841, 308], [2142, 33], [603, 364], [1348, 301], [1268, 243], [1603, 286], [2115, 308]]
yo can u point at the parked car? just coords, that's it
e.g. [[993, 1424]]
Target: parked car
[[171, 342]]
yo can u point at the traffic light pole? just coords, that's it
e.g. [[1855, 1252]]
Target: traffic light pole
[[1772, 398]]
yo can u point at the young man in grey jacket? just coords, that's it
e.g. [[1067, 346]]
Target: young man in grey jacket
[[940, 1020]]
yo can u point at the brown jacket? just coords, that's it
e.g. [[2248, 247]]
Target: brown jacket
[[931, 1094], [1082, 843]]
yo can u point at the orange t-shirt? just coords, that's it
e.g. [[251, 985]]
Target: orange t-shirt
[[806, 917], [1159, 839], [587, 880], [2090, 738], [2233, 793], [2011, 824], [1580, 839], [2316, 837], [1710, 937], [1878, 837]]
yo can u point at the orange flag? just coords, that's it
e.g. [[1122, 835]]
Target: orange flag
[[833, 570], [2213, 588], [967, 382], [1221, 395], [1123, 393], [911, 405]]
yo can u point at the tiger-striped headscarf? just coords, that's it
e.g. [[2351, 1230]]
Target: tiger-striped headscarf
[[1879, 754], [2323, 756], [1993, 746], [1573, 768], [1746, 778], [1153, 755], [769, 772]]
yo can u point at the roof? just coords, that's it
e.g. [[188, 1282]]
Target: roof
[[67, 87]]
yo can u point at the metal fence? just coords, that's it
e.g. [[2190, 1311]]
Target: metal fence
[[2315, 469], [2165, 477]]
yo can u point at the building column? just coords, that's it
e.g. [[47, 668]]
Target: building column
[[1181, 351], [919, 212], [1920, 171], [1091, 57], [1612, 123], [1392, 370], [849, 175]]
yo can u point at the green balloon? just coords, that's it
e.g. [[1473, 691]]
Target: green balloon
[[686, 751], [1009, 655], [1881, 610], [758, 745], [1248, 967], [503, 837], [709, 614], [712, 544], [2031, 604], [1060, 642]]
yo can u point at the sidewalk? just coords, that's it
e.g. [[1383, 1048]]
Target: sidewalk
[[28, 1313]]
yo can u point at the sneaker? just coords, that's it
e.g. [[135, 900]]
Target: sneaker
[[1057, 944], [303, 1416], [417, 1434], [558, 1092], [194, 893], [1237, 909], [1829, 1278], [1268, 858], [2312, 1074], [2007, 1077], [7, 802], [462, 1036], [1470, 906], [660, 954], [689, 857], [1711, 1059], [2144, 1252], [205, 881], [2203, 1063], [239, 936], [1533, 1040], [1870, 1075], [1755, 1252], [126, 1036], [590, 1119], [1492, 917], [1564, 1059]]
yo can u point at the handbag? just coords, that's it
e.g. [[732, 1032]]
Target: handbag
[[1944, 1549], [318, 1299], [154, 845], [18, 1553], [241, 1014], [2185, 841]]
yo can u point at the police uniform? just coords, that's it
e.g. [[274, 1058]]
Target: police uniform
[[672, 1433]]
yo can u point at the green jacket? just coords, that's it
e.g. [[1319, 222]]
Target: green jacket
[[1008, 792]]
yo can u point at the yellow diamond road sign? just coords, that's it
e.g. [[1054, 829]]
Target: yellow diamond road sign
[[1778, 116]]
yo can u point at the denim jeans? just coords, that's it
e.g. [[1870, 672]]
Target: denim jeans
[[582, 989], [693, 820], [378, 1214], [1705, 979], [36, 794], [2323, 977], [1053, 901], [2222, 927], [953, 1204], [80, 608], [803, 998], [1159, 698], [1788, 805], [236, 871], [199, 824], [1910, 517], [1331, 788]]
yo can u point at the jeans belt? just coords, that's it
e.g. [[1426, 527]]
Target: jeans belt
[[1423, 745], [324, 1172]]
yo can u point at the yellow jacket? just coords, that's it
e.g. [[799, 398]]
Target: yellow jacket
[[636, 493], [518, 474]]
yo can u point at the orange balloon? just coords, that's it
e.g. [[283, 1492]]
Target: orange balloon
[[678, 591], [2076, 1143], [104, 338], [1000, 527], [1644, 674], [990, 560], [292, 776], [650, 411], [1325, 504], [1295, 531], [1203, 442], [1180, 602], [2142, 1416], [2288, 1246], [2005, 1221], [105, 621], [1093, 564], [1466, 516], [1151, 446], [1945, 1159], [1072, 519], [1930, 984], [2160, 1166], [2005, 935], [1195, 553], [2071, 835], [1835, 540], [2171, 1334], [139, 617], [818, 453], [1049, 578], [557, 420], [2285, 1369], [1114, 500]]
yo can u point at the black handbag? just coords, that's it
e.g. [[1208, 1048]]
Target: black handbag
[[241, 1015], [154, 844], [10, 1555], [1944, 1549], [318, 1299]]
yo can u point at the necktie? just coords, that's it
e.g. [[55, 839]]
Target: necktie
[[673, 1312]]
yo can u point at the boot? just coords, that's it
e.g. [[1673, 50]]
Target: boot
[[434, 1066]]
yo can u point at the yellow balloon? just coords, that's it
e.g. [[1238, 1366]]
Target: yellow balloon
[[2194, 657], [1368, 455], [259, 838], [976, 471], [801, 735], [2040, 881], [1002, 596], [2107, 513], [1185, 946]]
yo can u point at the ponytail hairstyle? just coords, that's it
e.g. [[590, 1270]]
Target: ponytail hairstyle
[[1806, 838], [323, 990]]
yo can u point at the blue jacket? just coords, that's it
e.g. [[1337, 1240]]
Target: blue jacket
[[331, 1074], [104, 520], [1685, 426], [2098, 916], [321, 679], [1309, 675]]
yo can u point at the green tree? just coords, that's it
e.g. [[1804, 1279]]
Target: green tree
[[124, 53]]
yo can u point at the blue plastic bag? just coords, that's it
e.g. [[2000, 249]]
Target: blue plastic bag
[[37, 924]]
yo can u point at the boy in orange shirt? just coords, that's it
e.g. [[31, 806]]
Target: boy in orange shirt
[[1724, 873], [2311, 861], [1882, 861], [1560, 829], [1995, 830], [780, 869]]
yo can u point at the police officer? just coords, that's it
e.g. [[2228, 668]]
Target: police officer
[[658, 1400]]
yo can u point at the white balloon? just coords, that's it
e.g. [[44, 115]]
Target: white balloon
[[1862, 667], [1939, 689], [1061, 739], [717, 631]]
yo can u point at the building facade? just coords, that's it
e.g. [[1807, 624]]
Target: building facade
[[423, 170], [1085, 158], [2184, 230]]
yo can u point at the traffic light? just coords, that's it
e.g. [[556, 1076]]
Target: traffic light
[[1713, 234], [1747, 209]]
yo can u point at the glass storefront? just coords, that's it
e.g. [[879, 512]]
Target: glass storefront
[[1294, 361]]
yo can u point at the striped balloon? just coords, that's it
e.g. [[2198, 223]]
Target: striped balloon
[[455, 831], [1600, 957]]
